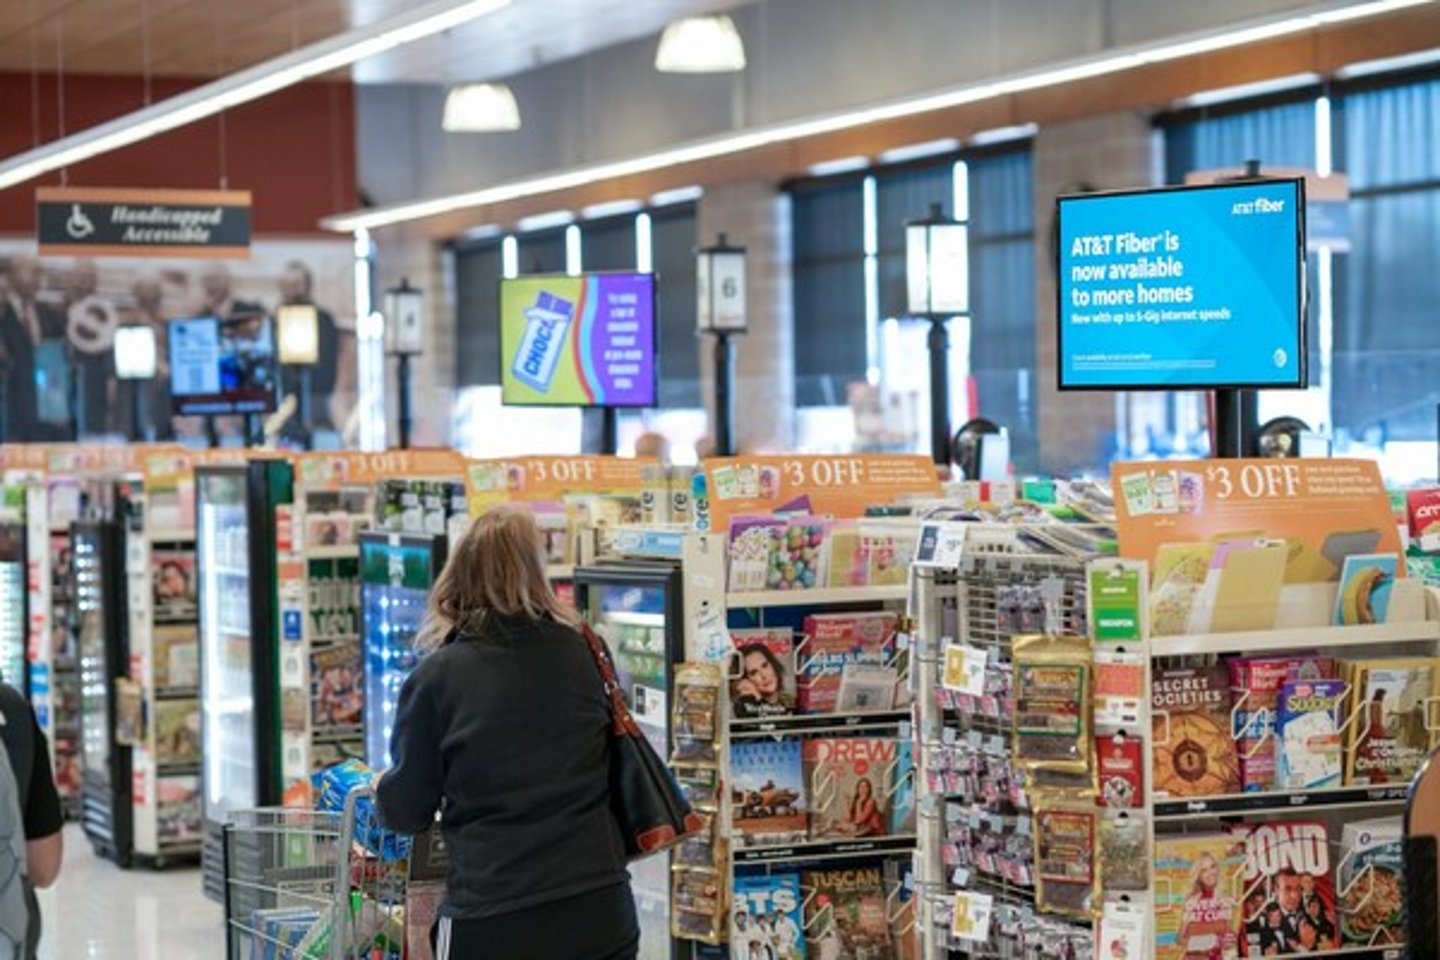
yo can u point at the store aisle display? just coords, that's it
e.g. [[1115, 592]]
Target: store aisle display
[[100, 912]]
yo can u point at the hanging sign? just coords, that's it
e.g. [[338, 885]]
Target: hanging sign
[[117, 222], [839, 486], [550, 478]]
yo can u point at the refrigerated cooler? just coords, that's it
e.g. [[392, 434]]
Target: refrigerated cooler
[[637, 608], [239, 656], [14, 610], [98, 621], [396, 574]]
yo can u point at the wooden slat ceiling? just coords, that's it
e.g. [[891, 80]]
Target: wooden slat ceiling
[[207, 38]]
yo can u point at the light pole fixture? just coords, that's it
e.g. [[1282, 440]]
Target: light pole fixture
[[701, 45], [720, 310], [299, 343], [404, 338], [136, 360], [937, 287]]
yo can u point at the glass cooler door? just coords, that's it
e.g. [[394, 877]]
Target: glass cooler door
[[636, 609], [396, 573], [226, 671]]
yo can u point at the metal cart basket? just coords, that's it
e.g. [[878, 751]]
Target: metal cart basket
[[314, 885]]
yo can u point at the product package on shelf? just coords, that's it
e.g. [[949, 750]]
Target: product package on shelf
[[845, 662], [778, 553], [696, 888]]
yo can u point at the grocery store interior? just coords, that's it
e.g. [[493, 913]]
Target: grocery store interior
[[997, 441]]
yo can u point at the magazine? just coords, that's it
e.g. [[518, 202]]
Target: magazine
[[177, 731], [176, 658], [833, 642], [766, 920], [1390, 739], [337, 679], [763, 680], [1371, 882], [849, 780], [1255, 684], [174, 584], [1308, 725], [1197, 885], [767, 792], [1289, 904], [1195, 753], [845, 915]]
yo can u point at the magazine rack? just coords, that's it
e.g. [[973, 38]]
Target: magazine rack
[[953, 606]]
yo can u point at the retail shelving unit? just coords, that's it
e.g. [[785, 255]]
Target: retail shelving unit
[[955, 606], [164, 670]]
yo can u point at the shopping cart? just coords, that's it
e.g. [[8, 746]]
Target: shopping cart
[[315, 885]]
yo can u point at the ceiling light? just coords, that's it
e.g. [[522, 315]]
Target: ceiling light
[[666, 198], [1019, 131], [731, 144], [613, 208], [701, 45], [919, 151], [481, 108], [545, 221], [246, 85], [1246, 91], [830, 168]]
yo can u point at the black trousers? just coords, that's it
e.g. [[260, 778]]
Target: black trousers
[[592, 926]]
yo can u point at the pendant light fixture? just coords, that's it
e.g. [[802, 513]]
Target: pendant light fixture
[[481, 108], [701, 45]]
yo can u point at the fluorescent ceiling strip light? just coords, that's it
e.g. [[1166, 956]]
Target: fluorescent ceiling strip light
[[1389, 64], [246, 85], [843, 165], [919, 151], [1245, 91], [1019, 131], [614, 208], [668, 198], [707, 149], [544, 221]]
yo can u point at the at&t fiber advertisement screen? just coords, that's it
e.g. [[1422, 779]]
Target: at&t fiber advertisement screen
[[1190, 287], [586, 341]]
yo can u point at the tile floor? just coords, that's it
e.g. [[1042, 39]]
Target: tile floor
[[96, 911]]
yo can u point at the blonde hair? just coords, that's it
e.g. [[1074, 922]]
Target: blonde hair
[[497, 569]]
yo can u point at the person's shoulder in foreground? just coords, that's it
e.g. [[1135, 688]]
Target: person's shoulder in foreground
[[29, 757]]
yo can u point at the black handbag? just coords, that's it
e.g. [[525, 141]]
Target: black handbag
[[652, 813]]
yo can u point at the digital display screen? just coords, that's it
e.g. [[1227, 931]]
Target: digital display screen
[[221, 367], [1195, 287], [586, 341]]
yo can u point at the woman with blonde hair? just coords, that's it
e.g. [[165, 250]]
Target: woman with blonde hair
[[503, 727]]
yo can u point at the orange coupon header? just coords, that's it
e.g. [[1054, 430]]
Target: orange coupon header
[[1325, 510], [356, 468], [838, 486]]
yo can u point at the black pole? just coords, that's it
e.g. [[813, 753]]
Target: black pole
[[609, 430], [137, 409], [724, 395], [403, 365], [306, 412], [212, 433], [1229, 428], [939, 342]]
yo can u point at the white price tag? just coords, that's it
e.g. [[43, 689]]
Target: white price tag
[[964, 669], [971, 920]]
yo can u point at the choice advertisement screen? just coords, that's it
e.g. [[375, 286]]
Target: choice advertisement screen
[[1190, 287], [586, 341], [220, 367]]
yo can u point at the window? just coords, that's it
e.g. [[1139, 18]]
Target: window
[[1002, 296], [542, 252], [1279, 132], [608, 244], [829, 285], [673, 242], [1387, 340], [477, 314]]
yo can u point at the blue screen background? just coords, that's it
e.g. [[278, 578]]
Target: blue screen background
[[1244, 262]]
